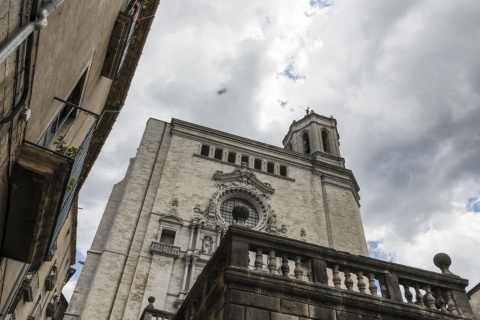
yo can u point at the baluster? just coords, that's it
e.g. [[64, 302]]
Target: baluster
[[285, 267], [360, 283], [371, 285], [298, 268], [440, 301], [337, 281], [428, 299], [418, 296], [383, 290], [259, 260], [348, 280], [272, 262], [408, 294], [452, 306]]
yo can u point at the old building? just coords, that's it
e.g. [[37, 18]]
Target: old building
[[165, 220], [209, 225], [65, 69]]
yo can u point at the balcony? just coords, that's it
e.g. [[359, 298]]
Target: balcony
[[43, 186], [164, 249], [255, 275]]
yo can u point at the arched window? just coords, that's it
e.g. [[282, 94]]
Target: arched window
[[326, 142], [306, 143], [228, 205]]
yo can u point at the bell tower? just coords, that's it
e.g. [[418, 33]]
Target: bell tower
[[315, 136]]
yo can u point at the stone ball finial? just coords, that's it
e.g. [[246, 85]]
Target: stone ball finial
[[151, 299], [240, 213], [442, 261]]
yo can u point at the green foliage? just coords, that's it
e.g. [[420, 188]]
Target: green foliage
[[60, 147]]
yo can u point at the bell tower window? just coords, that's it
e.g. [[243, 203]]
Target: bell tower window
[[326, 142], [306, 143]]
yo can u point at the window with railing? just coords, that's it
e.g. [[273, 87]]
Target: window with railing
[[51, 279], [65, 118], [52, 306], [36, 313], [32, 287]]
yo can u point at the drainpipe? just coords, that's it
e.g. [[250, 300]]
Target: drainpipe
[[22, 34]]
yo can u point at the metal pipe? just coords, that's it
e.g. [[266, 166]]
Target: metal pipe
[[12, 44]]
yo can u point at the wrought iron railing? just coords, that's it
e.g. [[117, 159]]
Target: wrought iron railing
[[79, 155], [134, 12]]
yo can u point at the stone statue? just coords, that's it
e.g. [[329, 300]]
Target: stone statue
[[272, 222], [207, 245], [303, 234]]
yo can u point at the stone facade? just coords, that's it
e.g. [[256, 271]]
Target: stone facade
[[74, 57], [474, 296], [167, 217]]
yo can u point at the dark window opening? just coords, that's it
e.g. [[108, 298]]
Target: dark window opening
[[283, 171], [306, 143], [270, 167], [232, 156], [218, 154], [205, 150], [168, 236], [326, 142], [258, 164], [245, 159]]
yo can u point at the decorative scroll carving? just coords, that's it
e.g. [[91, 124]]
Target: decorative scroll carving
[[243, 176]]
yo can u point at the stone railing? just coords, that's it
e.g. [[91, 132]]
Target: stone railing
[[150, 313], [364, 284], [164, 249]]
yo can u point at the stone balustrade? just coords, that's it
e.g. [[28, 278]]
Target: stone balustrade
[[164, 249], [310, 277], [150, 313]]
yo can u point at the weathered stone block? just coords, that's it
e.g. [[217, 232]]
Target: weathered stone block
[[281, 316], [234, 312], [240, 297], [316, 312], [348, 316], [293, 307], [265, 302], [257, 314]]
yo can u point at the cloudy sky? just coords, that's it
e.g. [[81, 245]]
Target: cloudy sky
[[401, 77]]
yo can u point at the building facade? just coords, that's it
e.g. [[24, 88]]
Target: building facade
[[65, 69], [166, 218]]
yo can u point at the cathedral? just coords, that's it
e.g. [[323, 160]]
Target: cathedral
[[172, 240]]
